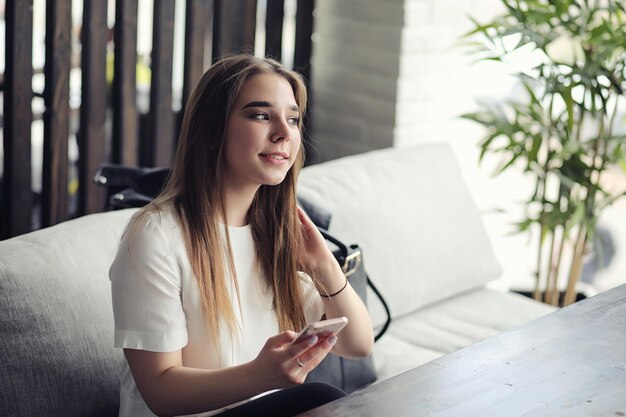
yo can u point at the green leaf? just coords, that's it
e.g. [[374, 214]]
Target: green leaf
[[566, 93], [534, 150]]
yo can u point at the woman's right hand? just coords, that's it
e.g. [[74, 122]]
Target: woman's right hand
[[281, 364]]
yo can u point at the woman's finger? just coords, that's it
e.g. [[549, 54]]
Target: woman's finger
[[281, 339], [316, 354], [304, 218], [297, 349]]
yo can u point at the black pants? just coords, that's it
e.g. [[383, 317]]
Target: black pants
[[287, 402]]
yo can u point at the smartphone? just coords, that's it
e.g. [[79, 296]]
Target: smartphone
[[323, 328]]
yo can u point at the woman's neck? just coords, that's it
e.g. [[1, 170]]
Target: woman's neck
[[238, 204]]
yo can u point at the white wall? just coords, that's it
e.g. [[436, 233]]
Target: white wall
[[390, 72]]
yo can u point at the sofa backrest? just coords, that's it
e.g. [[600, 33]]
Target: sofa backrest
[[410, 211], [56, 322]]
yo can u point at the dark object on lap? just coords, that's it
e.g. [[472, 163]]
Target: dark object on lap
[[287, 402]]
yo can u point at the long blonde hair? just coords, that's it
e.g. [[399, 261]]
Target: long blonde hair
[[195, 188]]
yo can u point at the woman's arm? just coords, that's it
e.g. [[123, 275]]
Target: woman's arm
[[169, 388], [357, 338]]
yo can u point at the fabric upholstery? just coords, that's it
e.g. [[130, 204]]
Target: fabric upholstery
[[449, 325], [412, 214], [56, 320]]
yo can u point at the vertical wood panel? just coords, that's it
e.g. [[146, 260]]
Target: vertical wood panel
[[161, 130], [56, 116], [304, 30], [274, 28], [302, 64], [234, 32], [198, 18], [17, 202], [92, 135], [125, 142]]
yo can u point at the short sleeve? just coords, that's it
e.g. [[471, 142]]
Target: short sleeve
[[146, 289], [312, 304]]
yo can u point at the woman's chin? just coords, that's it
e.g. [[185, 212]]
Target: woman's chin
[[274, 180]]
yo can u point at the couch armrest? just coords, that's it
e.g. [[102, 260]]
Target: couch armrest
[[56, 321]]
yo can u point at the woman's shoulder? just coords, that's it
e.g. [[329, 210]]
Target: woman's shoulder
[[154, 222], [163, 216]]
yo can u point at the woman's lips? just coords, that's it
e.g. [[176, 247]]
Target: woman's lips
[[276, 158]]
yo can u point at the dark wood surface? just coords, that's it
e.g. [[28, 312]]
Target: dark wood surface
[[304, 43], [275, 15], [93, 109], [569, 363], [234, 27], [158, 146], [56, 117], [17, 201], [125, 140], [198, 20]]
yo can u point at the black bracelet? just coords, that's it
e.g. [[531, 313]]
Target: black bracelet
[[334, 294]]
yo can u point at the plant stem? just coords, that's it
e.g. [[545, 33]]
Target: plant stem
[[541, 185], [550, 278], [577, 262], [537, 291], [612, 118], [555, 292]]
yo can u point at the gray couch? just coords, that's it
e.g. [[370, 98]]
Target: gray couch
[[424, 246]]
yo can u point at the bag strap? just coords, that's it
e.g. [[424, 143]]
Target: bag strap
[[349, 262], [382, 300], [349, 258]]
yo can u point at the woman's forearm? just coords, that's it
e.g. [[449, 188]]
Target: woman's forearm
[[356, 339], [183, 390]]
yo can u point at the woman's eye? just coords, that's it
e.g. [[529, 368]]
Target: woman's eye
[[294, 120], [260, 116]]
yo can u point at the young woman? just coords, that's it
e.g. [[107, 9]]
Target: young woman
[[213, 279]]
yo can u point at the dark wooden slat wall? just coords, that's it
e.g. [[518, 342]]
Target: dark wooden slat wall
[[56, 116], [158, 148], [304, 44], [15, 213], [198, 17], [302, 63], [92, 134], [236, 26], [274, 28], [231, 24], [125, 139]]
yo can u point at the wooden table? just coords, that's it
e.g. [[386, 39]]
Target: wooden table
[[568, 363]]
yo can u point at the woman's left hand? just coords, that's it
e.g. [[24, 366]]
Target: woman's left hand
[[318, 253]]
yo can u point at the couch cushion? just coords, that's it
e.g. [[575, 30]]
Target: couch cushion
[[450, 325], [56, 324], [409, 209]]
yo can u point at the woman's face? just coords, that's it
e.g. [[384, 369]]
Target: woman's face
[[262, 136]]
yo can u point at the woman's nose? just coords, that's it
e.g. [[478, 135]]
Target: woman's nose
[[281, 132]]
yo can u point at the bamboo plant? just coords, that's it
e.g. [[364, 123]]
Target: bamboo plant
[[565, 132]]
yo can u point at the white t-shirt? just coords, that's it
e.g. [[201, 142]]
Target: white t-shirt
[[157, 307]]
